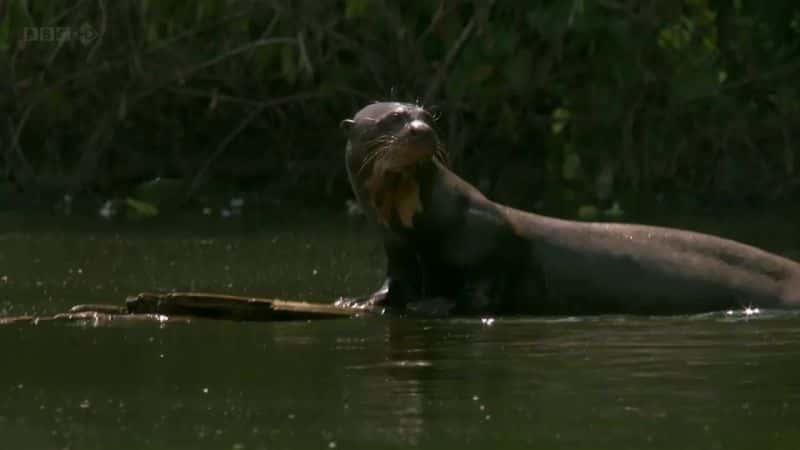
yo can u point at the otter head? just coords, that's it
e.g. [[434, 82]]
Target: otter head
[[386, 143]]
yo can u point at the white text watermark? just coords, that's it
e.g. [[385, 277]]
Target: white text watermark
[[85, 34]]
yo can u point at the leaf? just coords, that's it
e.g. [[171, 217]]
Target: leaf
[[615, 212], [58, 102], [550, 21], [588, 212], [481, 73], [241, 25], [140, 209], [571, 166], [201, 12], [505, 41], [5, 42], [264, 59], [159, 191], [151, 35], [289, 63], [692, 83], [561, 117], [519, 71], [353, 9]]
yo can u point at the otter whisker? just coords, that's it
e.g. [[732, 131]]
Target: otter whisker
[[379, 141], [377, 149], [367, 160], [383, 154], [374, 154], [440, 153]]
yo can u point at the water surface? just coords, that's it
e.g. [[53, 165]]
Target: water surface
[[714, 381], [705, 382]]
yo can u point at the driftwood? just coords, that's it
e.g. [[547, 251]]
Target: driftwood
[[231, 307], [185, 306], [92, 318]]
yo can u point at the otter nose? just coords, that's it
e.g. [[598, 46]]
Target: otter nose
[[417, 127]]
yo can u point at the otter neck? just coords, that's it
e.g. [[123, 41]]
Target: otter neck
[[394, 196]]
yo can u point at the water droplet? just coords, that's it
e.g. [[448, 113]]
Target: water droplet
[[751, 311]]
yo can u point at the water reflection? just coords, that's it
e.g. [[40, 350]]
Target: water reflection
[[396, 383], [717, 380], [46, 273]]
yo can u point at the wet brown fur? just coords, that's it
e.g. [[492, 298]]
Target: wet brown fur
[[444, 239]]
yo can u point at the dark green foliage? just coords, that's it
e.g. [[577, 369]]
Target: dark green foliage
[[569, 106]]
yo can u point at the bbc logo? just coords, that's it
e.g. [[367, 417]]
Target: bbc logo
[[85, 34]]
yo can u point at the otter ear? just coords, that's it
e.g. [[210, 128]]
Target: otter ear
[[347, 124]]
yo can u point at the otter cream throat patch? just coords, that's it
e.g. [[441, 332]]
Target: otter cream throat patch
[[397, 196]]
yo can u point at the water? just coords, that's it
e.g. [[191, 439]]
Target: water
[[593, 383], [712, 381], [46, 272]]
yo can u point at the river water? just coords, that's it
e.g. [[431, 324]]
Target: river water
[[716, 381]]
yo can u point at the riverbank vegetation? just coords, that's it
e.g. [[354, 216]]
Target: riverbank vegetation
[[586, 108]]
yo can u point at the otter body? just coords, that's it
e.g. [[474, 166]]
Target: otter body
[[444, 239]]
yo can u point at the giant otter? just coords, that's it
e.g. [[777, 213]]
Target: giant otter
[[444, 239]]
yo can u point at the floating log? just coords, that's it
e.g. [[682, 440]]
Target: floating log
[[184, 306], [103, 309], [232, 307], [16, 319], [91, 318]]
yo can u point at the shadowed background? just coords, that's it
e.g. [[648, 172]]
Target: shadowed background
[[567, 107]]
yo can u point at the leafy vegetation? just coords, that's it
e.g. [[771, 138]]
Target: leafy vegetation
[[574, 106]]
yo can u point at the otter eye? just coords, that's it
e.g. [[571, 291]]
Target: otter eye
[[394, 116]]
